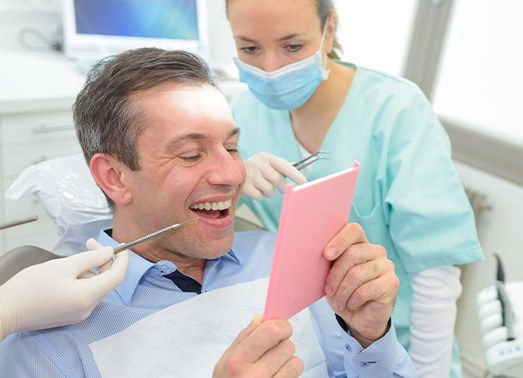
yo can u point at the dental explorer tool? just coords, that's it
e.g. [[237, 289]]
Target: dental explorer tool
[[123, 246]]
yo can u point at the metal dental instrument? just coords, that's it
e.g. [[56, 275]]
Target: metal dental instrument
[[507, 315], [18, 222], [123, 246], [310, 159]]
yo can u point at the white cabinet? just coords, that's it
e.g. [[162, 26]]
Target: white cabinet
[[36, 97]]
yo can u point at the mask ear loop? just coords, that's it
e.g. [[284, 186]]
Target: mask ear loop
[[320, 50], [324, 33]]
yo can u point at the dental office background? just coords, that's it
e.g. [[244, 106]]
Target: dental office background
[[466, 55]]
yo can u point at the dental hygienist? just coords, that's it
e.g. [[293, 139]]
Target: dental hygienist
[[61, 291], [303, 99]]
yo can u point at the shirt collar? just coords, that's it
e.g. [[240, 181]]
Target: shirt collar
[[138, 267]]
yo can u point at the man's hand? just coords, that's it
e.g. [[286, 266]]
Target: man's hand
[[361, 286], [261, 350]]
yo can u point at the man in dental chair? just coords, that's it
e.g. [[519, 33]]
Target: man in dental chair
[[162, 145]]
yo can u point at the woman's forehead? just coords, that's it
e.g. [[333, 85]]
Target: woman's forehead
[[279, 14]]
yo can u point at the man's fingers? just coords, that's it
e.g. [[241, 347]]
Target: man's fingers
[[381, 290], [366, 283], [351, 233], [356, 254], [276, 358], [292, 368], [255, 322], [266, 336], [356, 277]]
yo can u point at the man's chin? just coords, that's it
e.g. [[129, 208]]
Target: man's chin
[[216, 248]]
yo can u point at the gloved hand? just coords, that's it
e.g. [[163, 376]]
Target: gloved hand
[[266, 171], [57, 292]]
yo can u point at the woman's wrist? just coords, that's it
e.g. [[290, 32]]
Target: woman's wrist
[[8, 323]]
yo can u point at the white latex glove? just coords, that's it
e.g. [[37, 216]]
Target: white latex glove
[[266, 171], [57, 293]]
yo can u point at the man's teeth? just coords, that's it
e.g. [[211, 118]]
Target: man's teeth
[[212, 205]]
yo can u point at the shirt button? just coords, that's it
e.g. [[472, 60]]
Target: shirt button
[[347, 346], [363, 364]]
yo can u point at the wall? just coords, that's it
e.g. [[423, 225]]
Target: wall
[[44, 15], [500, 231]]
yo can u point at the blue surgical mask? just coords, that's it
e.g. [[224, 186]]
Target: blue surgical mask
[[288, 87]]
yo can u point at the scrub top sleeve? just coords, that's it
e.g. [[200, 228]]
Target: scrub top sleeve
[[429, 216], [237, 114]]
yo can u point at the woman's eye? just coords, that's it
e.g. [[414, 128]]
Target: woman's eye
[[294, 48], [248, 49]]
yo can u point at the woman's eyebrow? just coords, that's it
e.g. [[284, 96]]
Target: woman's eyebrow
[[281, 39], [290, 36]]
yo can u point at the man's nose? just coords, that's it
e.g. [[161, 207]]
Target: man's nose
[[226, 170]]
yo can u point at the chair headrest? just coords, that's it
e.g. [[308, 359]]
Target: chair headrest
[[70, 197]]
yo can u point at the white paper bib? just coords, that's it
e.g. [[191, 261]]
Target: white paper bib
[[188, 338]]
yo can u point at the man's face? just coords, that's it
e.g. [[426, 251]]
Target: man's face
[[190, 167]]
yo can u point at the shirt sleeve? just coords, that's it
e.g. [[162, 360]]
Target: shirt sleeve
[[383, 358], [19, 357]]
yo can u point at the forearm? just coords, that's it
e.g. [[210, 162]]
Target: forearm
[[435, 291]]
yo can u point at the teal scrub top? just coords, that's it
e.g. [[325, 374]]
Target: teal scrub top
[[408, 197]]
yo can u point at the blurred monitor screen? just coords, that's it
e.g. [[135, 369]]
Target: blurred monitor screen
[[97, 28]]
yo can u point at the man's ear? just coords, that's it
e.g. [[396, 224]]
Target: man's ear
[[111, 177]]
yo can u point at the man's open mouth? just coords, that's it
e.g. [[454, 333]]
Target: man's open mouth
[[214, 210]]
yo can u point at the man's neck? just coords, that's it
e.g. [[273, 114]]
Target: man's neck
[[154, 252], [189, 266]]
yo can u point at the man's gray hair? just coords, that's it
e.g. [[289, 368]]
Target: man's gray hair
[[106, 120]]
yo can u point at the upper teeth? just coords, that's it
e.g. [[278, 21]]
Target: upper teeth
[[212, 205]]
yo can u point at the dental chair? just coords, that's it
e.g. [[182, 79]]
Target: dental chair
[[20, 258], [76, 205]]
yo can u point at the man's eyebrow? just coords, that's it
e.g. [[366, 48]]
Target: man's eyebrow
[[234, 132], [171, 146]]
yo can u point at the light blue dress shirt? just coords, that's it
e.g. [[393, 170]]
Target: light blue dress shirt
[[408, 198], [64, 351]]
